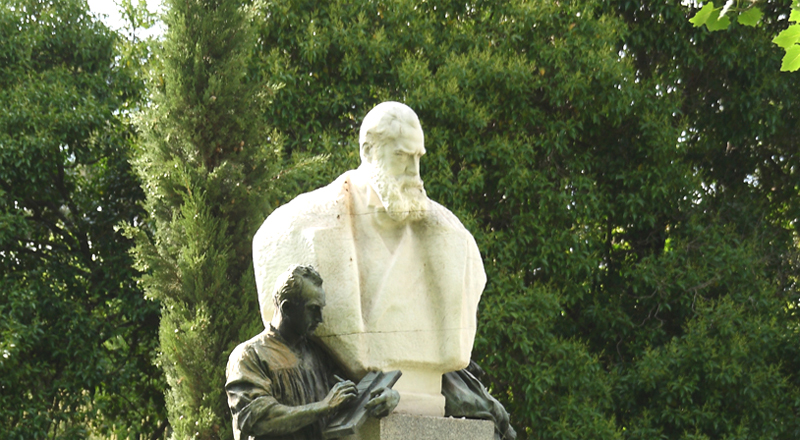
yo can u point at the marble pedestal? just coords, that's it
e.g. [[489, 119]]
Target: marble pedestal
[[415, 427]]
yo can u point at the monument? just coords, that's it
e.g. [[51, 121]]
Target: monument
[[403, 275], [281, 386]]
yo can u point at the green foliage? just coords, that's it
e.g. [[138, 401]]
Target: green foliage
[[704, 14], [77, 337], [631, 180], [136, 53], [750, 17], [789, 40], [748, 14], [789, 37], [791, 61], [733, 258], [717, 19], [604, 156], [712, 17], [722, 374], [715, 381], [208, 169], [556, 162]]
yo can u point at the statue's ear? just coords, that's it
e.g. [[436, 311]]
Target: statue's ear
[[367, 152], [289, 309], [285, 309]]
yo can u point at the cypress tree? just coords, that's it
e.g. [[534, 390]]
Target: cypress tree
[[206, 163]]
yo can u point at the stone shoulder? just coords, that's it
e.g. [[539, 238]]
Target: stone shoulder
[[313, 207], [322, 208], [443, 217]]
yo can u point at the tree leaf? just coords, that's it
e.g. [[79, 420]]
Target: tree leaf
[[795, 15], [791, 61], [717, 23], [751, 17], [788, 36], [702, 15]]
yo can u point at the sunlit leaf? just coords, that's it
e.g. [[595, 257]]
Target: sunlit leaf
[[717, 23], [788, 37], [702, 15], [791, 61], [751, 17]]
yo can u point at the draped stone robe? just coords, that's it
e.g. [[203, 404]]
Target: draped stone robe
[[398, 296]]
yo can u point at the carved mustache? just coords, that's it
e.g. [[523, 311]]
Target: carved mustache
[[408, 183]]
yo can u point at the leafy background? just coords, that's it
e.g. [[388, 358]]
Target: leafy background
[[630, 178]]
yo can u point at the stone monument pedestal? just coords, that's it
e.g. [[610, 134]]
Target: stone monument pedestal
[[414, 427], [420, 393]]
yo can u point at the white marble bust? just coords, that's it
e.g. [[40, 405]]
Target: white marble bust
[[403, 275]]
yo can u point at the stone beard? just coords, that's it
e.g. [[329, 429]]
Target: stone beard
[[404, 198], [403, 276]]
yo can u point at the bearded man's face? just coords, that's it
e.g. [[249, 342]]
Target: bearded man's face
[[395, 176]]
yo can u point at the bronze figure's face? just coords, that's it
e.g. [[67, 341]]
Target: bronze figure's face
[[304, 314]]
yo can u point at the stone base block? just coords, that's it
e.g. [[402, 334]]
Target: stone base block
[[414, 427]]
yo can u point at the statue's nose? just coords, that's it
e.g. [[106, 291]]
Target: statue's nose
[[413, 167]]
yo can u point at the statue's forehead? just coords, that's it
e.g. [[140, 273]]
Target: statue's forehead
[[410, 142], [313, 295]]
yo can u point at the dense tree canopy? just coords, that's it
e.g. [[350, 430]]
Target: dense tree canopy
[[76, 334], [631, 181], [739, 117]]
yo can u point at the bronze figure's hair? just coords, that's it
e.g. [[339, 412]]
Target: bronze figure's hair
[[289, 285]]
